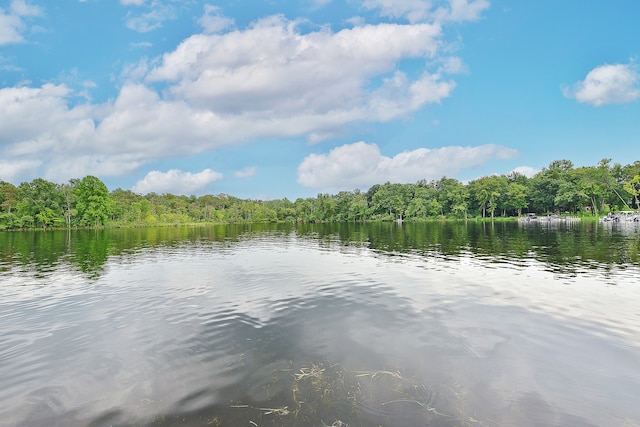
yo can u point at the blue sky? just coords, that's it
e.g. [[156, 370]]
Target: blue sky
[[277, 99]]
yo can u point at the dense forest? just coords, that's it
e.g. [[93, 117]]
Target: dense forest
[[559, 188]]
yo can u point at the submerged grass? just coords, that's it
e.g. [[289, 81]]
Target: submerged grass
[[325, 395]]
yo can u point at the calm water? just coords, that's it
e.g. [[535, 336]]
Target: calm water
[[365, 325]]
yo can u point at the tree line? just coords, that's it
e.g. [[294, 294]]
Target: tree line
[[558, 188]]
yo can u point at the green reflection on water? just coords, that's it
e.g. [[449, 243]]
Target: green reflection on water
[[563, 248]]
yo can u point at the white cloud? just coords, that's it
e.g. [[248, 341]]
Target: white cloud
[[213, 21], [11, 27], [429, 10], [6, 66], [413, 10], [271, 74], [356, 21], [22, 8], [12, 24], [361, 165], [176, 182], [136, 71], [527, 171], [106, 139], [246, 172], [28, 114], [607, 84], [153, 19], [266, 81], [464, 10], [14, 171], [453, 65], [132, 2]]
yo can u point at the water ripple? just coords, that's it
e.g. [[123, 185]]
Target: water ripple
[[202, 331]]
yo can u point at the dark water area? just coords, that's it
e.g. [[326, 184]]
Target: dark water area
[[436, 324]]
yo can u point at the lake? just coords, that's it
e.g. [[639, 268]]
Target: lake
[[438, 324]]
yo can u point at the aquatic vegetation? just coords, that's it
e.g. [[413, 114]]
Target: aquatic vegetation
[[326, 395], [320, 392]]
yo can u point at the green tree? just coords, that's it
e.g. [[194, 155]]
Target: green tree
[[358, 207], [325, 207], [343, 202], [304, 209], [124, 206], [516, 197], [487, 191], [39, 204], [284, 209], [8, 197], [93, 203], [8, 202], [68, 201], [568, 196], [390, 201], [453, 196], [423, 194], [605, 174], [590, 183], [633, 187], [434, 208], [417, 208], [545, 186], [382, 202]]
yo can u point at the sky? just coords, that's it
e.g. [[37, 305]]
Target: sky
[[283, 98]]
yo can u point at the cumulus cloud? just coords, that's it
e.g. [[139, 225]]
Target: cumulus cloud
[[108, 140], [176, 181], [271, 74], [49, 139], [213, 21], [527, 171], [269, 80], [12, 23], [607, 84], [361, 165], [10, 28], [28, 115], [14, 171], [453, 65]]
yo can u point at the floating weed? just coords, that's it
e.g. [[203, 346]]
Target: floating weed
[[336, 423], [283, 411], [374, 374], [321, 391], [314, 371], [280, 412]]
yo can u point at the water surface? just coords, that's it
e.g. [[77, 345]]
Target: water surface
[[440, 324]]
